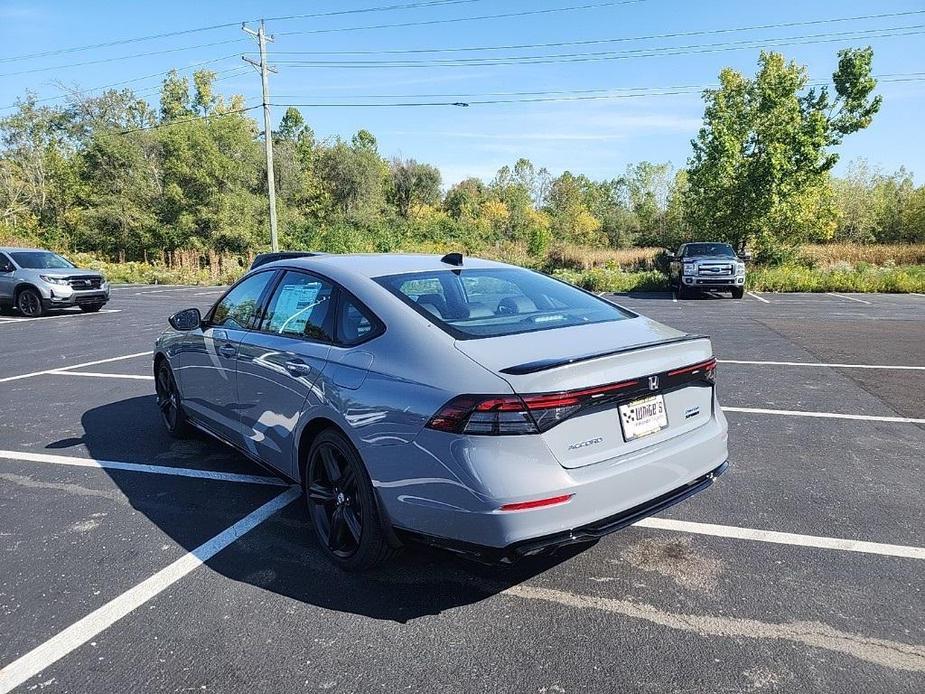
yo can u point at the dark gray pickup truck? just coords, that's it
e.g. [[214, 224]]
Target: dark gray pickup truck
[[706, 266]]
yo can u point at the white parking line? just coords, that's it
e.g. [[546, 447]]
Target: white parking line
[[760, 298], [74, 636], [74, 366], [95, 374], [779, 538], [833, 365], [849, 298], [826, 415], [73, 461], [9, 321]]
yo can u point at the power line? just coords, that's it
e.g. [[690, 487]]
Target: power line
[[365, 10], [453, 20], [64, 95], [211, 27], [622, 39], [596, 56], [542, 99], [884, 77], [121, 57]]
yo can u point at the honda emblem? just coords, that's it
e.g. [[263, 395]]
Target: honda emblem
[[653, 382]]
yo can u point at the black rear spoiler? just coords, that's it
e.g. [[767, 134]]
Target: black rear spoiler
[[533, 367]]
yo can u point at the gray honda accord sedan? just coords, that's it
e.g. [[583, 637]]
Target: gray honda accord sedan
[[468, 404]]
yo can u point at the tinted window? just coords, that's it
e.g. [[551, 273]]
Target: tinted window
[[354, 323], [503, 301], [5, 263], [239, 306], [300, 307], [697, 249], [41, 260]]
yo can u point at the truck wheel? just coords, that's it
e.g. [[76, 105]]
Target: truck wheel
[[738, 292], [29, 303], [682, 291], [90, 308]]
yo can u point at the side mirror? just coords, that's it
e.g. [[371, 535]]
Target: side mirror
[[745, 255], [187, 319], [670, 254]]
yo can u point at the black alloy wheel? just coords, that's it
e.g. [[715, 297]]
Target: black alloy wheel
[[168, 402], [29, 303], [342, 506]]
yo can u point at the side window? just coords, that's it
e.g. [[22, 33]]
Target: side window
[[6, 265], [300, 307], [239, 306], [354, 323]]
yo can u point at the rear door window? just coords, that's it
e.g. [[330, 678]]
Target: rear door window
[[301, 306]]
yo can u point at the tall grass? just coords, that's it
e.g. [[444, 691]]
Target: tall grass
[[875, 254]]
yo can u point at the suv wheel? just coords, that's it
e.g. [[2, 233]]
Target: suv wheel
[[342, 504], [90, 308], [29, 303], [168, 402], [738, 292]]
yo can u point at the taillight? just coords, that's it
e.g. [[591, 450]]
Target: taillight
[[538, 412], [705, 368], [512, 414]]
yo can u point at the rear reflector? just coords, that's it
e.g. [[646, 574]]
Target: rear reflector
[[537, 503]]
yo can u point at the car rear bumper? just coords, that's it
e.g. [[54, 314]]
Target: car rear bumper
[[589, 532], [464, 508]]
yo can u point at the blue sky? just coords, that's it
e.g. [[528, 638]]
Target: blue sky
[[598, 138]]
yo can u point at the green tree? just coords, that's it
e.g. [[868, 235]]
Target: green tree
[[175, 98], [759, 170], [412, 184]]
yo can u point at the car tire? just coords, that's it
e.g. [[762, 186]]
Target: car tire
[[738, 292], [342, 504], [90, 308], [168, 402], [29, 303], [682, 291]]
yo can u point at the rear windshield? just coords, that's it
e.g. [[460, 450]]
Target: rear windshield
[[696, 249], [492, 302], [40, 260]]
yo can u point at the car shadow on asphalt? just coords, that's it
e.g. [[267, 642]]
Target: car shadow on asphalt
[[280, 555]]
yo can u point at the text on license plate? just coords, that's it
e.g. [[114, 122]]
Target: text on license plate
[[643, 417]]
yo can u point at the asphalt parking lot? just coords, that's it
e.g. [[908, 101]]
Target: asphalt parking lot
[[132, 562]]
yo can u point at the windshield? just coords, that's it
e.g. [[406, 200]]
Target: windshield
[[40, 260], [492, 302], [697, 249]]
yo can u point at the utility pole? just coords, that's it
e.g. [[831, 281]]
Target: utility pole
[[265, 71]]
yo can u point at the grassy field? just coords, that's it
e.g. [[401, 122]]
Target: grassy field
[[816, 268]]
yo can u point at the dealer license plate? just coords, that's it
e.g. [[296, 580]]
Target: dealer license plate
[[643, 417]]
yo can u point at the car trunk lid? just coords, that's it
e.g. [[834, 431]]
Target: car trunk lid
[[585, 357]]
